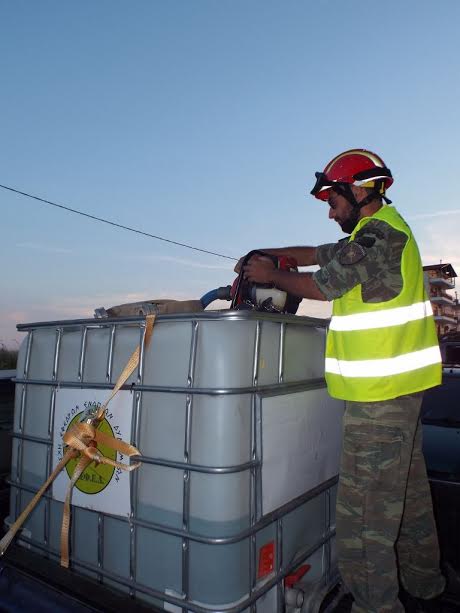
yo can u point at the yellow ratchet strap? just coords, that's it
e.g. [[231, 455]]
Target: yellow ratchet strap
[[81, 442]]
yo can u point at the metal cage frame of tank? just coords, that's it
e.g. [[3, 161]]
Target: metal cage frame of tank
[[257, 392]]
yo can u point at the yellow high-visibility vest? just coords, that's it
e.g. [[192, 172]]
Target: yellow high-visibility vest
[[382, 350]]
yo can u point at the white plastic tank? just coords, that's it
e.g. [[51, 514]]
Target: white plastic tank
[[240, 447]]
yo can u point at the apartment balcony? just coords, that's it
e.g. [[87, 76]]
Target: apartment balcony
[[443, 299], [445, 319], [442, 282]]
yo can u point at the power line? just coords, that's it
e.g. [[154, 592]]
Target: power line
[[113, 223]]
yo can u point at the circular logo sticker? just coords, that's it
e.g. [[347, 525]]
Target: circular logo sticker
[[95, 477]]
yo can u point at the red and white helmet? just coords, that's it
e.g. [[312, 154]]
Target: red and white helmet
[[357, 167]]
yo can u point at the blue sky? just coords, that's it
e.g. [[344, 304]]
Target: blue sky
[[204, 121]]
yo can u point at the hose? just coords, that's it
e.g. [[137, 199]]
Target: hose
[[220, 293]]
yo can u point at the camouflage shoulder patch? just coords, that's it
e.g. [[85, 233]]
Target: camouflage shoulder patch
[[375, 226], [370, 233], [351, 254], [365, 240]]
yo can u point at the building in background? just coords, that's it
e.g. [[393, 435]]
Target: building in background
[[439, 278], [457, 311]]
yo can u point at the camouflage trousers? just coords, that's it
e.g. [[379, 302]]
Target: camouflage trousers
[[385, 523]]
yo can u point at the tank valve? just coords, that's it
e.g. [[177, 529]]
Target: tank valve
[[294, 597]]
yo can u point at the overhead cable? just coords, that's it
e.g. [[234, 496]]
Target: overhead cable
[[113, 223]]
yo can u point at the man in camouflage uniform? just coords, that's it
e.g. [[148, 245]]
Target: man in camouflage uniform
[[385, 524]]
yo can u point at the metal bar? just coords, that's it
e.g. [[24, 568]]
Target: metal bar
[[253, 432], [193, 352], [252, 551], [255, 362], [259, 461], [229, 540], [22, 408], [108, 375], [34, 439], [211, 470], [140, 366], [25, 376], [135, 436], [136, 424], [279, 563], [253, 455], [52, 411], [275, 389], [281, 353], [253, 475], [57, 352], [133, 494], [313, 322], [19, 454], [28, 352], [198, 468], [18, 496], [81, 362], [22, 418], [187, 454], [47, 512], [49, 443]]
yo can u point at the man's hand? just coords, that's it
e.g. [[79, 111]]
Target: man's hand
[[259, 270], [240, 262]]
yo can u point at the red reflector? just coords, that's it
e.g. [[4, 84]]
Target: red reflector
[[266, 559], [293, 578]]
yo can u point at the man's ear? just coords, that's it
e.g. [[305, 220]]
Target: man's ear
[[359, 192]]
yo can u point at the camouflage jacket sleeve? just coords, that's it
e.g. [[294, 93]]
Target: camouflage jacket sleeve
[[325, 253], [372, 260]]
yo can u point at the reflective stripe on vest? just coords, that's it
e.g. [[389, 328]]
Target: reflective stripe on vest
[[381, 350], [381, 319], [384, 367]]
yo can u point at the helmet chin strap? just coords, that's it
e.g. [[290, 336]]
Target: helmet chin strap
[[344, 189]]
